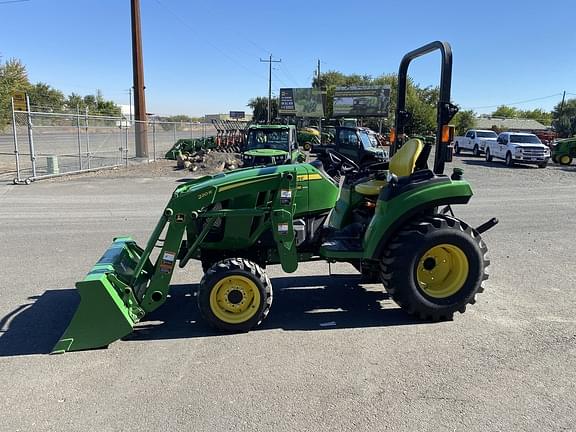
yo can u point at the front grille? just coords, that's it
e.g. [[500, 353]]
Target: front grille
[[533, 152]]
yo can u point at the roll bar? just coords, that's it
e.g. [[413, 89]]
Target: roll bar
[[445, 109]]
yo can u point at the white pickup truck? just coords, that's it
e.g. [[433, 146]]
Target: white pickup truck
[[518, 147], [474, 140]]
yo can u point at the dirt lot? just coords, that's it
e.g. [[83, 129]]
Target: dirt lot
[[505, 365]]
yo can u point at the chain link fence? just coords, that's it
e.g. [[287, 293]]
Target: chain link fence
[[40, 144]]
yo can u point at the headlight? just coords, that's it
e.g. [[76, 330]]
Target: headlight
[[518, 151]]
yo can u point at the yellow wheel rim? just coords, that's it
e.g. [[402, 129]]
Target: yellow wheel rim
[[234, 299], [565, 160], [442, 271]]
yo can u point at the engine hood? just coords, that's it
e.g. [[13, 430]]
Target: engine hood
[[266, 152]]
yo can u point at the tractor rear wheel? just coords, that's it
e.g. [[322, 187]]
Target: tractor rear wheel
[[435, 267], [235, 295]]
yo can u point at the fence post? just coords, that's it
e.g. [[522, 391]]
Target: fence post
[[16, 152], [31, 137], [126, 150], [154, 138], [78, 137], [87, 137]]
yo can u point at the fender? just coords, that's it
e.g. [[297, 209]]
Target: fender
[[394, 209]]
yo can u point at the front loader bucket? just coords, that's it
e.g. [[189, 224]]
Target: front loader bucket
[[108, 307]]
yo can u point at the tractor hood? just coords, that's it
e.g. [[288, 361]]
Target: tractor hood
[[266, 152]]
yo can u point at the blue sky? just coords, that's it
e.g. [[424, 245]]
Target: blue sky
[[203, 57]]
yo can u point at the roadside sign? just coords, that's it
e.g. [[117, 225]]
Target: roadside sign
[[361, 101], [237, 114], [19, 98], [301, 102]]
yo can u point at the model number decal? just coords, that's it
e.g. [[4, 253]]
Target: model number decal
[[204, 194]]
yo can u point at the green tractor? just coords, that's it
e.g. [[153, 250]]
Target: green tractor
[[271, 145], [308, 136], [564, 151], [393, 221]]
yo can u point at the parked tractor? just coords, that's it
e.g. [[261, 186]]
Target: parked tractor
[[357, 143], [308, 136], [564, 151], [393, 221], [271, 145]]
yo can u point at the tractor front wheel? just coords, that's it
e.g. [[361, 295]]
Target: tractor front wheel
[[307, 146], [565, 160], [435, 267], [235, 295]]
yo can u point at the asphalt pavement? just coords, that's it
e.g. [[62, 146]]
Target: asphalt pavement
[[333, 355]]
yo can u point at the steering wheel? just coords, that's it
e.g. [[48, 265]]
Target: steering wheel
[[342, 163]]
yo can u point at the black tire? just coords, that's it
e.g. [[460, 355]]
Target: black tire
[[542, 165], [476, 150], [509, 161], [489, 157], [554, 159], [456, 149], [307, 146], [247, 270], [565, 160], [405, 253]]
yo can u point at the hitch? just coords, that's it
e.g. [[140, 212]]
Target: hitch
[[487, 225]]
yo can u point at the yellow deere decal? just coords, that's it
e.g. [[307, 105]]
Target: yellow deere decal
[[309, 177]]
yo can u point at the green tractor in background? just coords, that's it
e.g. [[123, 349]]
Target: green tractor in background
[[271, 145], [392, 220], [308, 136], [564, 151]]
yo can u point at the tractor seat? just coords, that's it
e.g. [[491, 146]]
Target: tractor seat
[[401, 164]]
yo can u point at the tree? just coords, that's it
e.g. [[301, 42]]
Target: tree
[[13, 77], [45, 98], [463, 120], [505, 112], [565, 118], [259, 107]]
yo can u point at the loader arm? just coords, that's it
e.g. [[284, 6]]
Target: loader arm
[[128, 282]]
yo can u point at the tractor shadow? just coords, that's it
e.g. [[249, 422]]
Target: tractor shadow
[[308, 303], [496, 164], [35, 327]]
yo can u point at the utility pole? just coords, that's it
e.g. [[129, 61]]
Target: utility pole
[[141, 124], [562, 104], [321, 98], [270, 61]]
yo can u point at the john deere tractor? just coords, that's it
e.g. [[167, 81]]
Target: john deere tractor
[[392, 220], [271, 145], [564, 151]]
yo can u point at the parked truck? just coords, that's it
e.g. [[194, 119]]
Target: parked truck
[[474, 140], [513, 147]]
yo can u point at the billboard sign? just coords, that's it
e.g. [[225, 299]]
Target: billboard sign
[[237, 114], [301, 102], [361, 101]]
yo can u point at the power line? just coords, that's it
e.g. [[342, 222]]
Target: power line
[[13, 1], [516, 103], [217, 48]]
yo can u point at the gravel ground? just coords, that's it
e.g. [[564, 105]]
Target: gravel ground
[[505, 365]]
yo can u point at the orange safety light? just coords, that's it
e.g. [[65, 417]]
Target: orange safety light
[[392, 137], [447, 133]]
